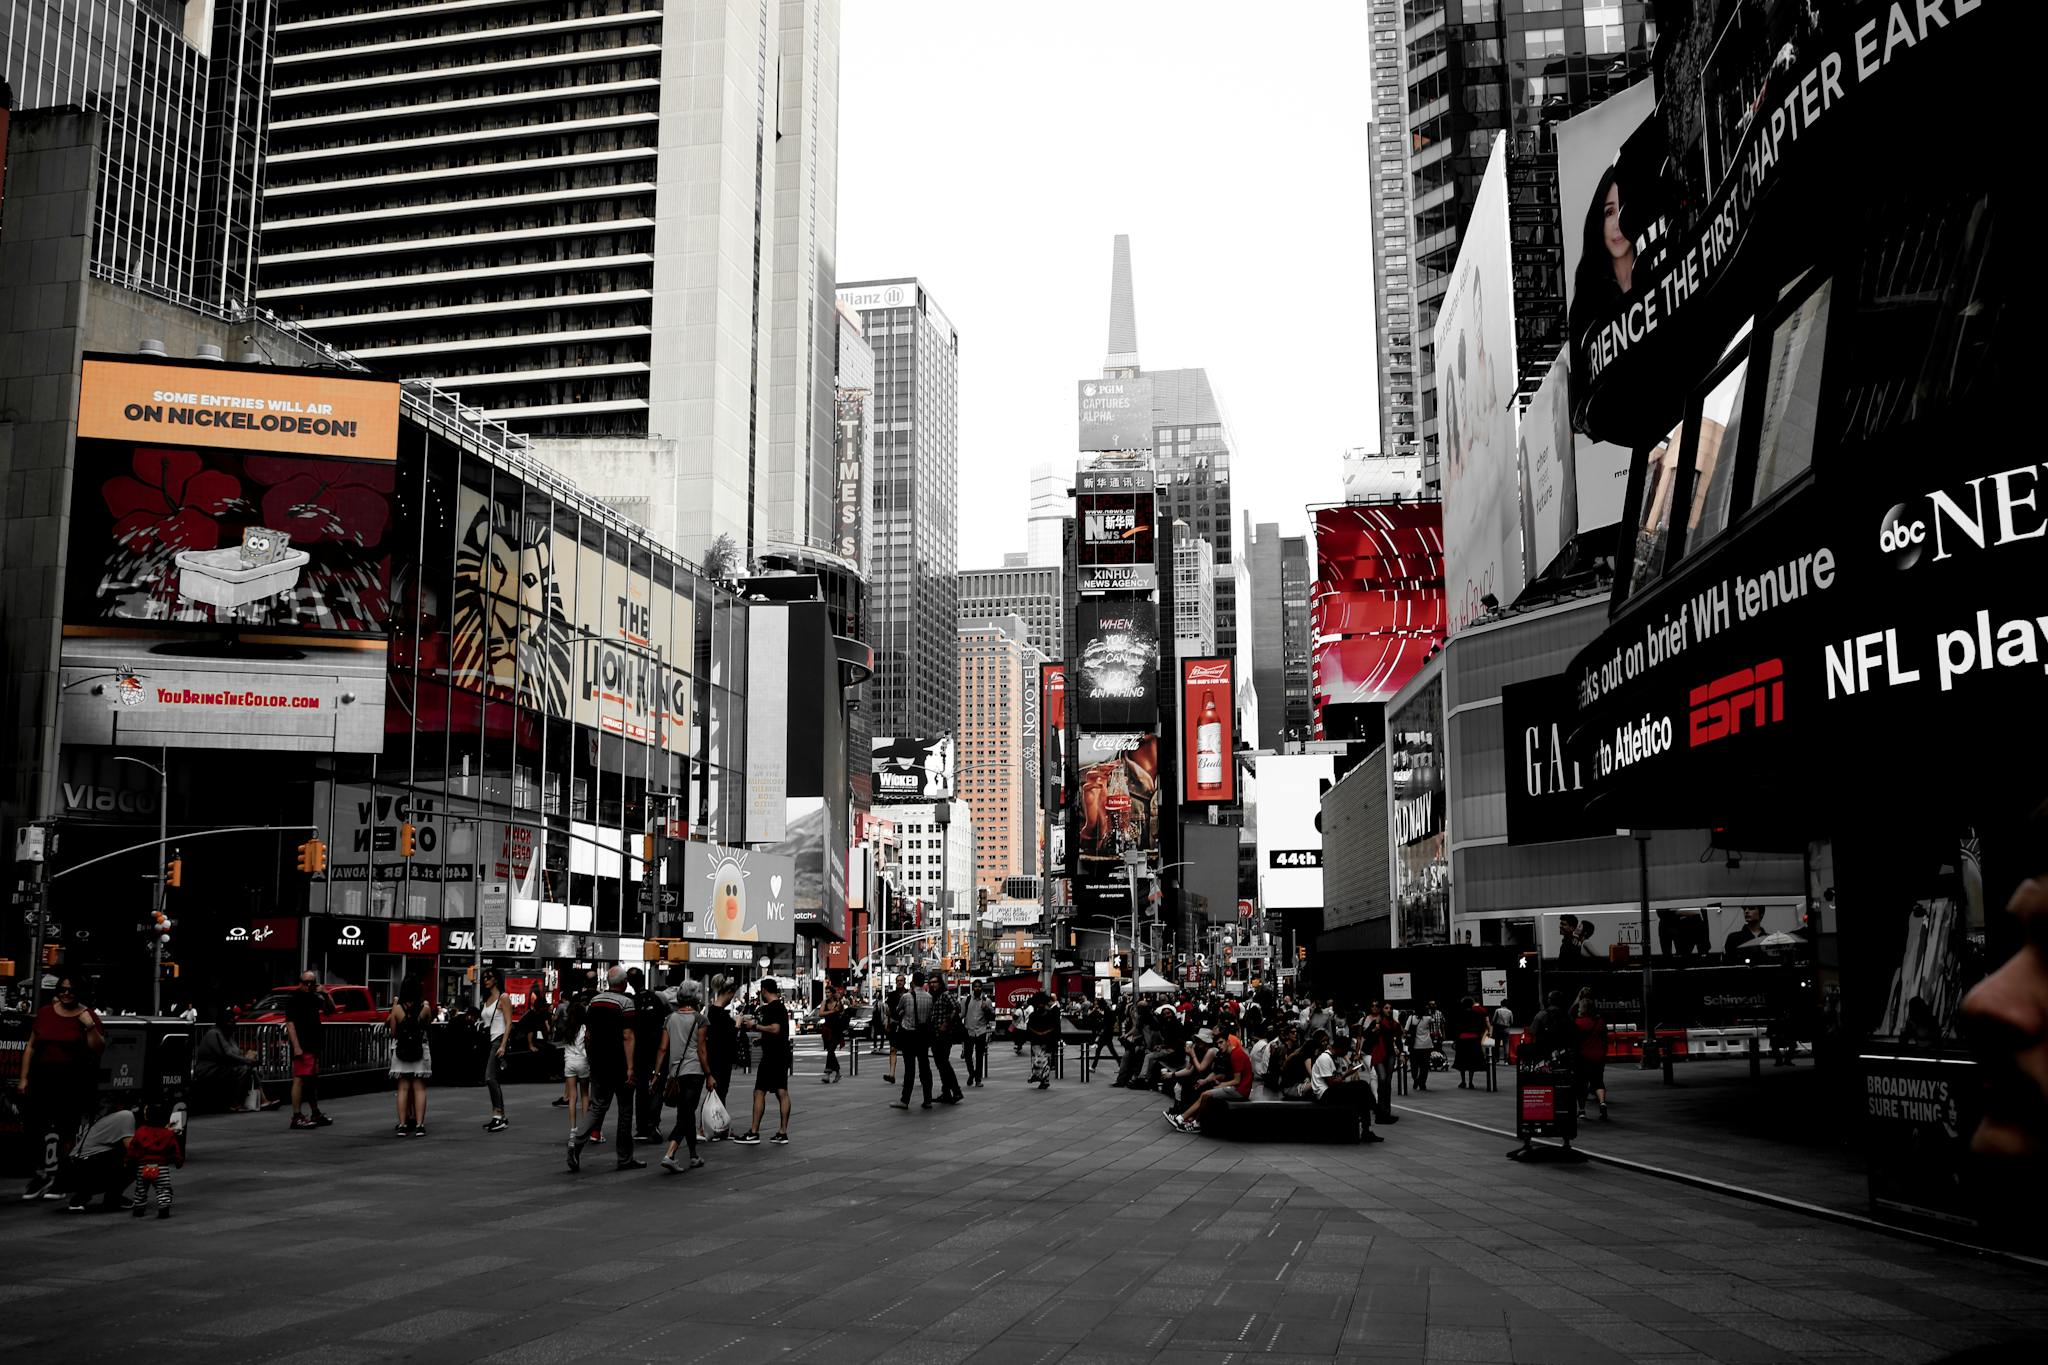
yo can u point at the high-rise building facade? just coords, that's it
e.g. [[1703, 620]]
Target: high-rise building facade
[[1194, 594], [1030, 592], [935, 859], [1386, 137], [1052, 487], [1473, 69], [998, 682], [1280, 637], [1186, 435], [183, 88], [913, 594], [608, 224]]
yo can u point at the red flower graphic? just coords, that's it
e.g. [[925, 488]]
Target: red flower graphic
[[323, 501], [172, 500]]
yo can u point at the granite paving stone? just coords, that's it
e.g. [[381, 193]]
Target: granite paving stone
[[1060, 1228]]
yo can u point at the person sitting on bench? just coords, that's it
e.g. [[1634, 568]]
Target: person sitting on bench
[[1343, 1084], [1229, 1082]]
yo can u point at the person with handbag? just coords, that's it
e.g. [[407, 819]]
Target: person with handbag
[[411, 1060], [59, 1080], [724, 1036], [684, 1061], [495, 1018]]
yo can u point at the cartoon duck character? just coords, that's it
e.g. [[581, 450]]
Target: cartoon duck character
[[729, 917]]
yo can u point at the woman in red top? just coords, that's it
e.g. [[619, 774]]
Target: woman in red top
[[1468, 1026], [1592, 1051], [60, 1074]]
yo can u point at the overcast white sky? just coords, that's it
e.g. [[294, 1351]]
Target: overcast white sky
[[994, 150]]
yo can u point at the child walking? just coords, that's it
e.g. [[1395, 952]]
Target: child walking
[[153, 1150]]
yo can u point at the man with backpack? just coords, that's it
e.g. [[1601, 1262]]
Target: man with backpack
[[910, 1036], [650, 1020], [946, 1031]]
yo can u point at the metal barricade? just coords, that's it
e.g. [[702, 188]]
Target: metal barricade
[[345, 1049]]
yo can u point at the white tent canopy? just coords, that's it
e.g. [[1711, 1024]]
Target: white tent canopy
[[1152, 983]]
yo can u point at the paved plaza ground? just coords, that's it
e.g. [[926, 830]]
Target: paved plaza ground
[[1070, 1225]]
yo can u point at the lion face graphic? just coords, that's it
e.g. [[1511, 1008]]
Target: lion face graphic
[[511, 634]]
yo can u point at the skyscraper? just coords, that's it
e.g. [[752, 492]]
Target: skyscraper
[[1279, 618], [1051, 505], [1386, 136], [1030, 592], [182, 89], [1186, 434], [1472, 68], [608, 225], [1194, 594], [913, 598], [998, 687]]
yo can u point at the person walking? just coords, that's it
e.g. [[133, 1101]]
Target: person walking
[[769, 1021], [978, 1018], [1502, 1024], [684, 1062], [1592, 1051], [831, 1024], [411, 1061], [946, 1032], [302, 1033], [650, 1015], [155, 1148], [1042, 1030], [910, 1035], [722, 1036], [575, 1060], [494, 1016], [1425, 1037], [1468, 1026], [1382, 1054], [59, 1080], [891, 1007], [608, 1041]]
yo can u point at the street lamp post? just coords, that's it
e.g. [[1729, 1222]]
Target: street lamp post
[[163, 853]]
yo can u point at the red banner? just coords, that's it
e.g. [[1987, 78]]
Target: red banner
[[1208, 766], [417, 940]]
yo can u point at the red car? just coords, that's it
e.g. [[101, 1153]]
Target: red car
[[338, 1005]]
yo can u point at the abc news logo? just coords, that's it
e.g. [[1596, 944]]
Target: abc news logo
[[1987, 512]]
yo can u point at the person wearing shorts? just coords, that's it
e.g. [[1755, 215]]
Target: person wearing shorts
[[769, 1022], [302, 1031]]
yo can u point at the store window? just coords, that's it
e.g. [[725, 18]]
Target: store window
[[1714, 458], [1791, 395], [1653, 527]]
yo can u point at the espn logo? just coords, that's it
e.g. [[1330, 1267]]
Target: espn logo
[[1719, 706]]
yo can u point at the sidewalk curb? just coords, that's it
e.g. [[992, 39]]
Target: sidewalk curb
[[1821, 1211]]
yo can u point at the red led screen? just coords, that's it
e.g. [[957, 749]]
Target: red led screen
[[1378, 606]]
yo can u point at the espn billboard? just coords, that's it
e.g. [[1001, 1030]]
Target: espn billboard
[[1208, 732]]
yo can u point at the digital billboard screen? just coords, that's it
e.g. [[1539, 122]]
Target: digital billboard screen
[[1115, 414], [914, 769], [1116, 542], [1116, 804], [217, 498], [1208, 732], [1377, 609], [1114, 682]]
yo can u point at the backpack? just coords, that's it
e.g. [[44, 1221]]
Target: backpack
[[412, 1036]]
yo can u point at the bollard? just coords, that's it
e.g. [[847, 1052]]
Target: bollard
[[1756, 1061], [1668, 1078]]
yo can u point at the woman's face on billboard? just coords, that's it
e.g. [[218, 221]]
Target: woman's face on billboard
[[1618, 244]]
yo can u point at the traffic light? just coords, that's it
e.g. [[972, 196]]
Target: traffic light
[[174, 870], [313, 856], [408, 840], [648, 851]]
